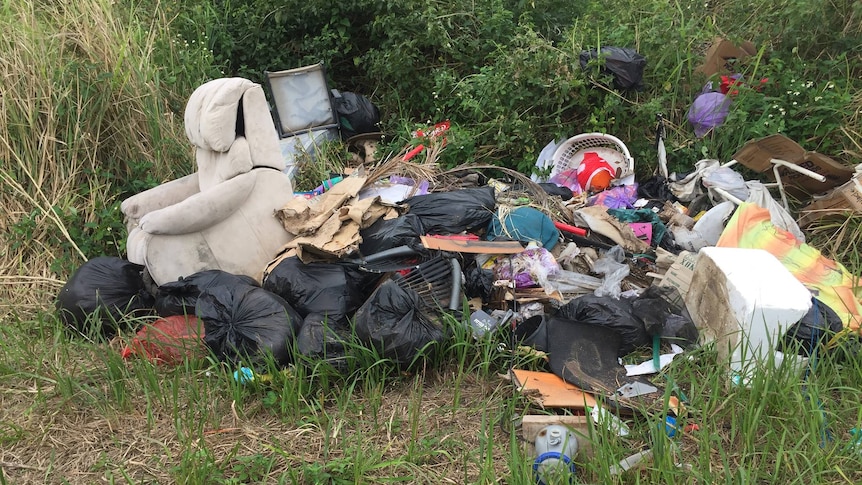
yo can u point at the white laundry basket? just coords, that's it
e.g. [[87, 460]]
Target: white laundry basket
[[571, 152]]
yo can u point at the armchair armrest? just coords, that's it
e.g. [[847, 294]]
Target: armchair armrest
[[202, 210]]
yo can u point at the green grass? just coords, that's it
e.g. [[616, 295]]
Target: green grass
[[91, 111], [74, 412]]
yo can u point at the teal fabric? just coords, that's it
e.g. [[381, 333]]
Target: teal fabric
[[524, 224]]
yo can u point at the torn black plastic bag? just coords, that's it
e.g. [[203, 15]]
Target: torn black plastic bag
[[245, 323], [107, 286], [392, 233], [333, 290], [395, 323], [623, 63], [180, 297], [820, 324], [453, 212], [612, 313], [478, 282], [663, 314]]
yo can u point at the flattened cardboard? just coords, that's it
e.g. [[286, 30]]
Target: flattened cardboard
[[720, 54], [844, 199], [471, 245], [550, 390], [756, 155]]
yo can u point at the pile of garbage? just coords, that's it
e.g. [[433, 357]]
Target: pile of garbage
[[579, 263]]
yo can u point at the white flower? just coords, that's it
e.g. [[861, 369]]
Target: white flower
[[818, 98]]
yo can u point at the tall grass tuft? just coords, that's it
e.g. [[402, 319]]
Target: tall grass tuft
[[85, 119]]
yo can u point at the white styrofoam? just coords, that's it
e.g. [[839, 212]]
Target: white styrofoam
[[745, 300]]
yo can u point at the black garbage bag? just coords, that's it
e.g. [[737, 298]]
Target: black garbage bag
[[564, 192], [108, 286], [478, 282], [395, 323], [609, 312], [392, 233], [180, 297], [356, 114], [663, 314], [453, 212], [655, 188], [244, 323], [818, 325], [333, 290], [320, 340], [625, 64]]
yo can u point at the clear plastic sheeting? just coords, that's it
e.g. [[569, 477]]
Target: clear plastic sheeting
[[613, 266]]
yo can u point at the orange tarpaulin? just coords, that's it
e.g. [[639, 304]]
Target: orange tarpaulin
[[829, 281]]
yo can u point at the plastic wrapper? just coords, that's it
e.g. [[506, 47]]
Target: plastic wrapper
[[394, 322], [478, 282], [319, 340], [727, 179], [180, 297], [453, 212], [109, 287], [169, 340], [708, 111], [614, 269], [528, 269], [356, 114], [621, 197], [246, 324]]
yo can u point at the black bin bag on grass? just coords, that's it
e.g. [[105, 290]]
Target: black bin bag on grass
[[331, 290], [356, 114], [453, 212], [108, 286], [180, 297], [612, 313], [393, 322], [244, 323]]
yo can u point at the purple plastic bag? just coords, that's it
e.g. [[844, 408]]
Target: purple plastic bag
[[622, 197], [708, 111]]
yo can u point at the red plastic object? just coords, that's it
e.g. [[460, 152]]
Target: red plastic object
[[578, 231], [169, 340], [412, 153]]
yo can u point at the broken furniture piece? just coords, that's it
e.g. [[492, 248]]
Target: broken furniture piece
[[220, 217]]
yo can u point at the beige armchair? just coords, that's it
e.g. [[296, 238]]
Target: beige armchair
[[222, 216]]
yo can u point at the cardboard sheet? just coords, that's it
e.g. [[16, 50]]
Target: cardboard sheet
[[550, 391]]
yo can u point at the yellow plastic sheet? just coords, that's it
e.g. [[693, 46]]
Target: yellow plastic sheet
[[829, 281]]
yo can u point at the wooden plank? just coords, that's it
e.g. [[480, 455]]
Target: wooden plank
[[471, 245], [550, 391]]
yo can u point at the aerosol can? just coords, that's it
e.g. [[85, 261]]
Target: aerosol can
[[556, 447]]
